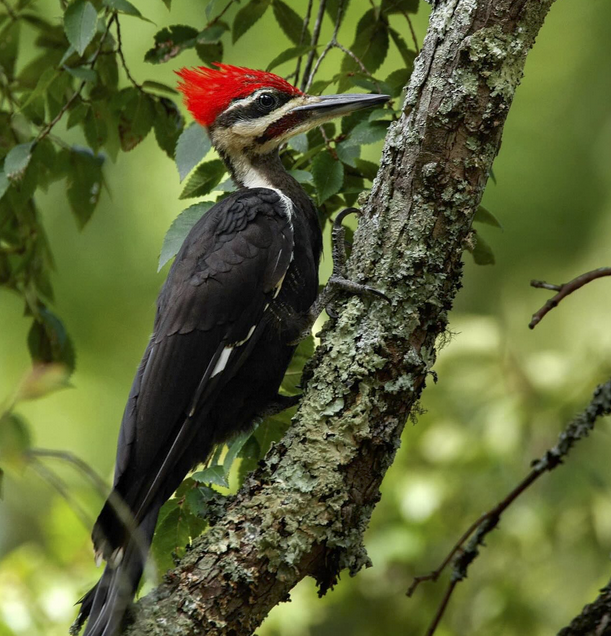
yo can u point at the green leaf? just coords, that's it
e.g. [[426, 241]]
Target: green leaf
[[9, 47], [370, 47], [328, 175], [272, 430], [348, 152], [292, 377], [46, 79], [181, 226], [299, 143], [193, 145], [407, 55], [17, 161], [247, 16], [158, 86], [353, 186], [198, 497], [42, 380], [211, 34], [77, 114], [108, 70], [169, 124], [250, 455], [4, 183], [399, 6], [136, 118], [82, 73], [289, 54], [301, 176], [484, 216], [397, 81], [126, 7], [482, 252], [14, 437], [332, 8], [367, 168], [205, 177], [233, 451], [175, 529], [84, 184], [291, 23], [168, 4], [369, 132], [212, 475], [95, 128], [210, 53], [171, 41], [80, 21], [49, 342]]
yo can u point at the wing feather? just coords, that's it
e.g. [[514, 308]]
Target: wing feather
[[216, 295]]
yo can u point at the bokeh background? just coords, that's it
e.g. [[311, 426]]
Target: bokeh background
[[504, 392]]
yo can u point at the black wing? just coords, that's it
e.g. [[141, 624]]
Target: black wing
[[210, 312]]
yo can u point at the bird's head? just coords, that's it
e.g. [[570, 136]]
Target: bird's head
[[253, 112]]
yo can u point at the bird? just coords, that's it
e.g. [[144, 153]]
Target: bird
[[242, 291]]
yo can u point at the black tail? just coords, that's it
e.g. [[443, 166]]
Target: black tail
[[106, 603]]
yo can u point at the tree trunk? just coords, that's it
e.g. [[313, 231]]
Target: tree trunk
[[304, 511]]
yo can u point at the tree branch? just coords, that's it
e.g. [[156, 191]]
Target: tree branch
[[304, 511], [579, 428], [314, 42], [564, 290]]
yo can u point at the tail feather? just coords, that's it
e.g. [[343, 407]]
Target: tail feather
[[104, 606]]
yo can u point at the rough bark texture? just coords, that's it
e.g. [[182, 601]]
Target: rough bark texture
[[304, 511], [594, 620]]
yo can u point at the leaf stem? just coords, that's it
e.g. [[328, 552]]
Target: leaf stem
[[122, 57], [306, 80], [306, 22], [49, 127]]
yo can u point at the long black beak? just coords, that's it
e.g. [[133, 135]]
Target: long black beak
[[332, 105]]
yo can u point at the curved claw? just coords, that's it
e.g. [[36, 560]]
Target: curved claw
[[337, 222], [331, 312], [367, 290]]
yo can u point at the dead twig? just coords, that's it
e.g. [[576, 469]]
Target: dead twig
[[464, 553], [563, 291]]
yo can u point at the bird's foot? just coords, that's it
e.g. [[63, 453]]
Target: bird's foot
[[338, 282]]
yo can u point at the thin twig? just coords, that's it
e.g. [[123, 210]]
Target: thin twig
[[49, 127], [100, 485], [304, 29], [355, 58], [116, 502], [564, 290], [122, 57], [332, 42], [221, 14], [441, 609], [315, 35], [327, 141], [56, 482], [463, 555], [411, 30]]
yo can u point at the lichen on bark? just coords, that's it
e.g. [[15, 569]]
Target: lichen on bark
[[304, 511]]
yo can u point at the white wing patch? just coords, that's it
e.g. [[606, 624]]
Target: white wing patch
[[221, 363]]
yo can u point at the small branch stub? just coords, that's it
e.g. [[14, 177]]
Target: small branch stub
[[564, 290]]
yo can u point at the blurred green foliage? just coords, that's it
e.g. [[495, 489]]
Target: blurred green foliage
[[503, 394]]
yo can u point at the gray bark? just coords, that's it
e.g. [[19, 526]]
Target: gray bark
[[595, 618], [304, 511]]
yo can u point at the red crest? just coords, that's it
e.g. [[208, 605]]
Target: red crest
[[208, 91]]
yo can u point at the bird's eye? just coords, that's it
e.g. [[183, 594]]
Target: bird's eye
[[267, 101]]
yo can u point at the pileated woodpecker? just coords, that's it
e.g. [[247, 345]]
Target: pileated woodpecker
[[239, 295]]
